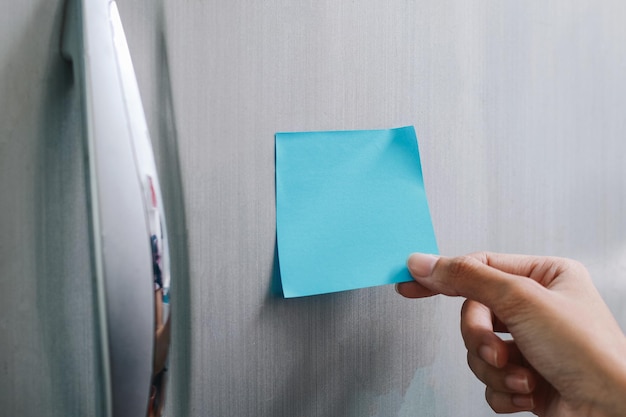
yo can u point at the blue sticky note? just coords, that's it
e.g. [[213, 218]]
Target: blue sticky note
[[350, 208]]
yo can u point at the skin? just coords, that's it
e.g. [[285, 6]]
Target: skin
[[568, 354]]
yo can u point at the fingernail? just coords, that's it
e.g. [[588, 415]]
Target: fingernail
[[523, 401], [489, 355], [421, 264], [517, 383]]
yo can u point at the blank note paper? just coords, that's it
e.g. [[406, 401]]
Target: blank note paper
[[350, 208]]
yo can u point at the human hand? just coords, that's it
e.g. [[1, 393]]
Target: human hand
[[568, 354]]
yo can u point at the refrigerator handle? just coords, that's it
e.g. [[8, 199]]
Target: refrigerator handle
[[130, 260]]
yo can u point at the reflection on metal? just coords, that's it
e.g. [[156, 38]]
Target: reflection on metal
[[128, 229], [161, 276]]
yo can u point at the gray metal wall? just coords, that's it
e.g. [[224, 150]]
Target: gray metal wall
[[520, 108]]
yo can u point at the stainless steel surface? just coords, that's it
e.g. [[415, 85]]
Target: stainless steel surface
[[48, 344], [519, 108]]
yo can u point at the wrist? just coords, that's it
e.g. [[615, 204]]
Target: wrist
[[614, 404]]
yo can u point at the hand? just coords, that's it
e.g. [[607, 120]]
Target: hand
[[568, 354]]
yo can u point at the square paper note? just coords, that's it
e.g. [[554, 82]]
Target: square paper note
[[350, 208]]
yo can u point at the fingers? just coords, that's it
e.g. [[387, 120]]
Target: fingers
[[542, 269], [502, 402], [413, 290], [478, 335], [471, 277], [496, 363], [461, 276], [510, 379]]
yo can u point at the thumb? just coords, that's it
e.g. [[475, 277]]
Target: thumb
[[468, 276]]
